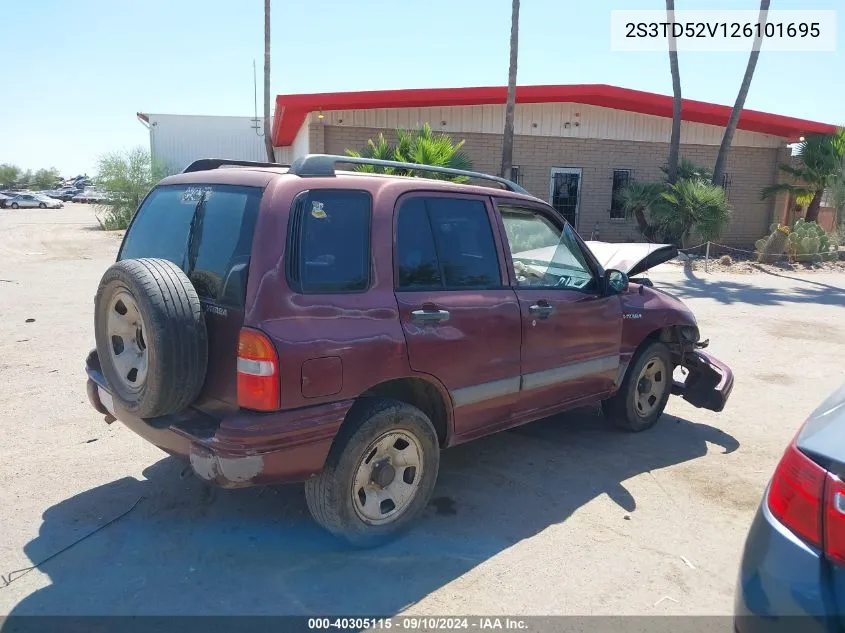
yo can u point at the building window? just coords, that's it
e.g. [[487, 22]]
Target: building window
[[621, 179], [516, 174], [726, 184]]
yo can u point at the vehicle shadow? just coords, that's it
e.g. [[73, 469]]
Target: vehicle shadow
[[191, 549], [728, 292]]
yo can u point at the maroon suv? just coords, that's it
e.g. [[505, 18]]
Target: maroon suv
[[274, 324]]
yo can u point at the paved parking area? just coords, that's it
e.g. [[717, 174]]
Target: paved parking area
[[563, 516]]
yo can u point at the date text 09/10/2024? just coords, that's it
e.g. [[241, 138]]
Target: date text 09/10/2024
[[422, 623]]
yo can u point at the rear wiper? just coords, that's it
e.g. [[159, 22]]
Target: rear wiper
[[189, 261]]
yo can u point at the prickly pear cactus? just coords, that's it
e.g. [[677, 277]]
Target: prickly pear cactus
[[808, 242]]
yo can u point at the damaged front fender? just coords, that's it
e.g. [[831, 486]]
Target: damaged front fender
[[708, 383]]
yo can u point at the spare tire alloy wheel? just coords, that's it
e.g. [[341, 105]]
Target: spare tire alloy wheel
[[128, 349], [151, 337]]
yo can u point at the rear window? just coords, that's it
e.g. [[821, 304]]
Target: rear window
[[207, 230], [329, 241]]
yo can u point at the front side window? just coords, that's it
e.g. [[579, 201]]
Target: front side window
[[207, 230], [329, 247], [544, 255], [445, 243]]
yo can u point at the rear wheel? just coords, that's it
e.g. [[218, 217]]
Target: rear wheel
[[14, 205], [379, 474], [645, 390]]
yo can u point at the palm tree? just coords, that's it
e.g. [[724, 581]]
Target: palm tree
[[675, 140], [674, 211], [688, 170], [690, 207], [637, 200], [268, 140], [821, 157], [728, 136], [507, 136], [421, 147], [836, 185]]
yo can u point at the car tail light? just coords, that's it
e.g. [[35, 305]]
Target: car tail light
[[834, 519], [258, 372], [796, 493]]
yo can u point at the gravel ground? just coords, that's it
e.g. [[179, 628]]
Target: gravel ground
[[746, 266], [563, 516]]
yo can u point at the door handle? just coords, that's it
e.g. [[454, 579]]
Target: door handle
[[429, 316], [541, 309]]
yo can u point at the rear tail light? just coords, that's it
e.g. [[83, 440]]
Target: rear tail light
[[834, 519], [810, 502], [795, 496], [258, 372]]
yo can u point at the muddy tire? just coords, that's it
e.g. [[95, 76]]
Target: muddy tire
[[151, 336], [640, 401], [379, 474]]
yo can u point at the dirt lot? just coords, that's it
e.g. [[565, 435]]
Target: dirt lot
[[564, 516]]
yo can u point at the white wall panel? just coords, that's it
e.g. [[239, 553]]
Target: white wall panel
[[550, 120], [177, 140]]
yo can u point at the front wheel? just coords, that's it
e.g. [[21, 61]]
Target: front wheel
[[41, 205], [14, 205], [379, 474], [645, 390]]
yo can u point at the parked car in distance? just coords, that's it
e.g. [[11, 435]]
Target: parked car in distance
[[3, 199], [33, 201], [67, 195], [90, 195], [273, 324], [792, 575]]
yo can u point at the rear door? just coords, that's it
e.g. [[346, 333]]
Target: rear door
[[460, 319], [571, 331], [207, 230]]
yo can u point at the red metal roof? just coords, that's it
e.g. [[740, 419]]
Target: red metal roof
[[291, 110]]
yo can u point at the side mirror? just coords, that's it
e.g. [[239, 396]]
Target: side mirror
[[615, 281]]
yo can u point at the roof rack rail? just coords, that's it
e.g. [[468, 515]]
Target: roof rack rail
[[216, 163], [324, 165]]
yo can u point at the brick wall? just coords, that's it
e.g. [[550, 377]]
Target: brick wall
[[750, 169]]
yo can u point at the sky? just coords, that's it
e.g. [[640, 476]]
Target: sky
[[76, 73]]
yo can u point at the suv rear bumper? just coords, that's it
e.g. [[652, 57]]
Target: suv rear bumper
[[241, 449]]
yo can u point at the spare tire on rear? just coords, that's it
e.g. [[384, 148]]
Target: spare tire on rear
[[151, 336]]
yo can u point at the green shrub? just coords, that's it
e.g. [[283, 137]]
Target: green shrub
[[126, 177]]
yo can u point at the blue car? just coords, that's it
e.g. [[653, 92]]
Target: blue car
[[792, 576]]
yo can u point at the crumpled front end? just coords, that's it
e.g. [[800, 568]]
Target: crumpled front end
[[708, 382]]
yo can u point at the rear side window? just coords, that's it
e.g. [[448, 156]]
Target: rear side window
[[329, 241], [445, 243], [207, 230]]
